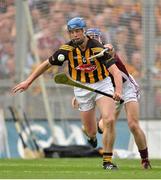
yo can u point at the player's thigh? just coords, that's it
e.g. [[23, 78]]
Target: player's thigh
[[106, 107], [132, 111], [85, 99], [118, 107], [89, 118], [130, 92]]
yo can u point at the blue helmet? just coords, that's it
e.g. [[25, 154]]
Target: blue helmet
[[94, 33], [76, 23]]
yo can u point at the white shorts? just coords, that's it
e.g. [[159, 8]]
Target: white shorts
[[131, 92], [87, 99]]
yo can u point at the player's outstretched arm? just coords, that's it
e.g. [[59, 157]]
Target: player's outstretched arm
[[35, 74]]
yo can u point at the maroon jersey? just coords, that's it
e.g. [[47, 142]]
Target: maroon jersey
[[121, 67]]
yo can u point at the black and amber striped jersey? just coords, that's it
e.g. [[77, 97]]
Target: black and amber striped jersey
[[81, 68]]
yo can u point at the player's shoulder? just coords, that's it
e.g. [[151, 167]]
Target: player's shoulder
[[67, 46], [95, 45]]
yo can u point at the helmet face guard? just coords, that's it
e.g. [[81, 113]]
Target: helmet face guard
[[94, 33], [76, 23]]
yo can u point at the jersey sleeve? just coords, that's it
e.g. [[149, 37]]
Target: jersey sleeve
[[107, 59], [55, 60]]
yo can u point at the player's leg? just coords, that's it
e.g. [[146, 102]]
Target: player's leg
[[131, 95], [132, 113], [107, 109], [89, 123], [75, 104], [89, 126], [118, 107], [86, 105]]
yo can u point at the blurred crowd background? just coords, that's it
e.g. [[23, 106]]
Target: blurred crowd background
[[121, 23]]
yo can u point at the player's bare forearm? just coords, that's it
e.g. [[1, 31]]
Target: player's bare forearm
[[117, 80], [35, 74], [40, 69]]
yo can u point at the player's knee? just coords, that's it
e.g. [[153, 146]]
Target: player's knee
[[133, 126], [108, 121]]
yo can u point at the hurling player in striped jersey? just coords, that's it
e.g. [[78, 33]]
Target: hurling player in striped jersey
[[92, 73], [130, 95]]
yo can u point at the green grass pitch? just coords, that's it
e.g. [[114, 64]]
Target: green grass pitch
[[75, 168]]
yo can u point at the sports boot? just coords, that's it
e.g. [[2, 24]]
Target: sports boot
[[92, 142], [146, 164], [109, 166]]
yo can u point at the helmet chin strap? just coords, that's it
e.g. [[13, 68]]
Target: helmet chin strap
[[77, 43]]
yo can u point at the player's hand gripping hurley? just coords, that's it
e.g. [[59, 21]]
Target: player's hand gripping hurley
[[99, 54], [62, 78]]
